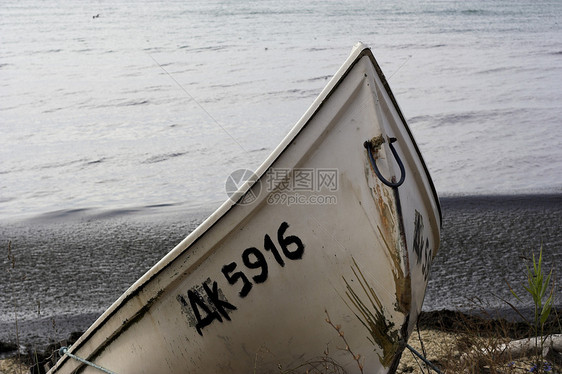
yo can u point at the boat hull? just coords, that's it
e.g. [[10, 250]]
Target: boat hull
[[313, 255]]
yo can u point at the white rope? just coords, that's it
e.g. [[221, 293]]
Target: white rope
[[64, 351]]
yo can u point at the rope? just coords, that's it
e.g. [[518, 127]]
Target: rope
[[428, 363], [64, 351]]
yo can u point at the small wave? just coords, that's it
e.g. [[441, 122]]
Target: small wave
[[45, 51], [316, 49], [53, 110], [55, 165], [9, 107], [167, 209], [301, 93], [113, 213], [237, 84], [210, 48], [469, 117], [101, 214], [493, 71], [95, 162], [63, 214], [163, 157], [473, 12], [133, 103], [421, 118], [77, 214], [156, 88], [152, 49], [320, 78], [258, 150], [292, 93], [6, 199], [409, 46], [163, 205], [449, 12]]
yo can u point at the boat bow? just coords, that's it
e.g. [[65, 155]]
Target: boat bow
[[327, 227]]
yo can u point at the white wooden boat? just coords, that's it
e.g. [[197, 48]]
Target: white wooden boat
[[320, 231]]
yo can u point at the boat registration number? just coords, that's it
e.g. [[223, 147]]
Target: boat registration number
[[206, 303]]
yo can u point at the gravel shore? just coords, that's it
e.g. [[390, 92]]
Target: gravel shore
[[454, 342]]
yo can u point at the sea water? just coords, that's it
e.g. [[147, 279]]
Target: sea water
[[121, 108], [121, 104]]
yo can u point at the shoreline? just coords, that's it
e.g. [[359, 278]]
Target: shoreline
[[448, 337], [173, 211]]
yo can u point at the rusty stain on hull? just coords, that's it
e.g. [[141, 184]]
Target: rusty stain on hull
[[391, 233], [371, 312], [402, 282]]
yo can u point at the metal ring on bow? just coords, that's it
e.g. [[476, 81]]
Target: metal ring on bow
[[368, 145]]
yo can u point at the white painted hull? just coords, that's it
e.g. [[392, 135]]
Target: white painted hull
[[250, 289]]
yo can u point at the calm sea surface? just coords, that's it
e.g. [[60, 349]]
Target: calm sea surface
[[142, 108]]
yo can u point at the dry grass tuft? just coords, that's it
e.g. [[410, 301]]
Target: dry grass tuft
[[461, 343]]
